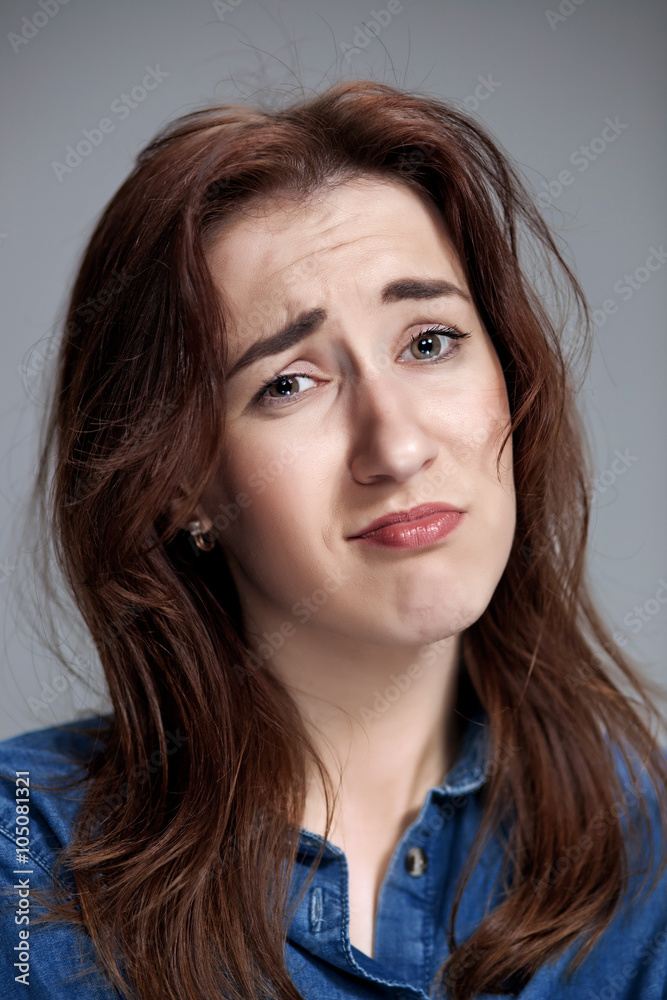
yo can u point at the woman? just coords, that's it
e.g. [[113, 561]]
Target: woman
[[319, 492]]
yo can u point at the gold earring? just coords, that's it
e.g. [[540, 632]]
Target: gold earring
[[204, 540]]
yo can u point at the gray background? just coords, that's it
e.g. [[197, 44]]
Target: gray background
[[554, 79]]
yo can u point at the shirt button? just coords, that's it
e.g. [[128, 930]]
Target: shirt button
[[416, 862]]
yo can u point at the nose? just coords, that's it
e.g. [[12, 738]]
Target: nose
[[391, 438]]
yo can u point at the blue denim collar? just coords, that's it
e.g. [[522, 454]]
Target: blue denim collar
[[468, 774], [319, 925]]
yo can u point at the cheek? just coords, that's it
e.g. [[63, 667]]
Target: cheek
[[270, 488], [486, 439], [260, 465], [479, 434], [495, 481], [475, 420]]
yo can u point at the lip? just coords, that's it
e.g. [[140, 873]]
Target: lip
[[414, 528]]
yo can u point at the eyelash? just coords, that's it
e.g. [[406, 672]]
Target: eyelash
[[451, 332]]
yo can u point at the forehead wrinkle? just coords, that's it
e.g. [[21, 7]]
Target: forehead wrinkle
[[283, 273], [322, 227], [291, 276]]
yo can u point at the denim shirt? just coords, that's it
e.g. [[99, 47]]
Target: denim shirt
[[629, 961]]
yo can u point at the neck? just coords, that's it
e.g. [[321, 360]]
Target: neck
[[383, 723]]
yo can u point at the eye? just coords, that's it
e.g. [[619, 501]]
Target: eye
[[431, 344], [284, 386], [426, 345], [287, 385]]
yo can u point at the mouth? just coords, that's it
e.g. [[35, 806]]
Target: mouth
[[423, 525]]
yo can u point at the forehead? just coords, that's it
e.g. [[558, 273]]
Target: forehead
[[366, 223]]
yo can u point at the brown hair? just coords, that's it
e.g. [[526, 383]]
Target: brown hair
[[181, 876]]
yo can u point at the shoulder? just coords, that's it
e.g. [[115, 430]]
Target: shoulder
[[640, 794], [32, 767], [631, 955], [37, 819]]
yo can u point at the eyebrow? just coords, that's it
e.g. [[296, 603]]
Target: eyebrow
[[310, 321]]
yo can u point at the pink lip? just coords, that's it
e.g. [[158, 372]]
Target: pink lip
[[412, 529]]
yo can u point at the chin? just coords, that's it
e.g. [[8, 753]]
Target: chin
[[423, 626], [434, 629], [440, 606]]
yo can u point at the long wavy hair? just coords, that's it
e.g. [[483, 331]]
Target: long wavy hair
[[181, 857]]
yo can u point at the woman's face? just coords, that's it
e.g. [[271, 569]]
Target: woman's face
[[340, 412]]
